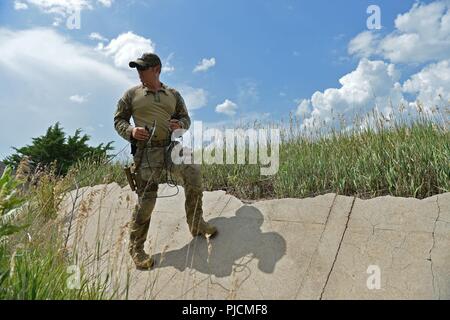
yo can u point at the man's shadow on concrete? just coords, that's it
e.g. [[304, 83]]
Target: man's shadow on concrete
[[238, 237]]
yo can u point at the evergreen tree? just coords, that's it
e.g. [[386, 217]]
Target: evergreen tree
[[54, 146]]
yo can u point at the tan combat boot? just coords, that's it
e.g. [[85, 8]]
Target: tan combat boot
[[141, 259], [205, 229]]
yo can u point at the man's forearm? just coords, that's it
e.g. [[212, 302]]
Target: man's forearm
[[124, 129], [186, 122]]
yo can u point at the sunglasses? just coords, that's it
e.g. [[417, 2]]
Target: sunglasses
[[141, 68]]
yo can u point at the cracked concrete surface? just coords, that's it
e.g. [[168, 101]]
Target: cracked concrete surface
[[316, 248]]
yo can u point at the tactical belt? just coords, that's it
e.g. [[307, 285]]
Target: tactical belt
[[160, 143]]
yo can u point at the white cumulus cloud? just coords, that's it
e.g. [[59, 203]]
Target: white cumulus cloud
[[421, 35], [167, 67], [22, 51], [195, 98], [126, 47], [61, 7], [78, 98], [431, 85], [106, 3], [20, 5], [97, 36], [364, 44], [375, 84], [304, 108], [205, 64], [371, 84], [227, 107]]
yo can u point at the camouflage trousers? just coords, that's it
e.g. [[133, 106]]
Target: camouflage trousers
[[152, 171]]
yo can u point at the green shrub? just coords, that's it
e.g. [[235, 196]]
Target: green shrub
[[9, 201]]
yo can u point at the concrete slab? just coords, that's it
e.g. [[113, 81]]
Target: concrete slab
[[327, 247]]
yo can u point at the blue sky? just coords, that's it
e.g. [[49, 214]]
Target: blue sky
[[270, 58]]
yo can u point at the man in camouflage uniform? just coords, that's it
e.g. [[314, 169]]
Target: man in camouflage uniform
[[145, 103]]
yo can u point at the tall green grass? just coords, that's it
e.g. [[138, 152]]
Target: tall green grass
[[399, 157], [34, 261], [99, 170], [41, 273]]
